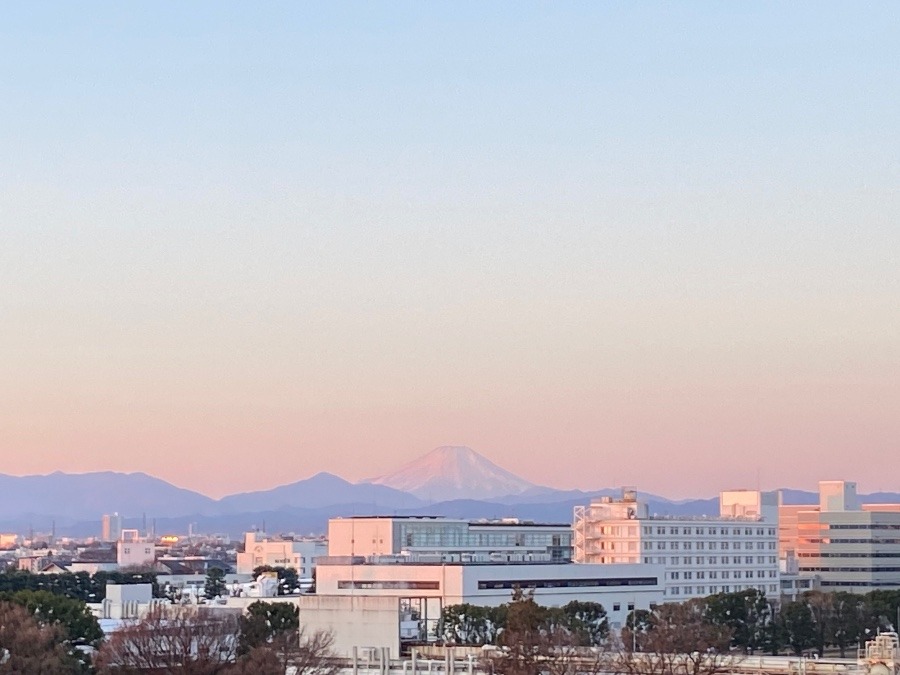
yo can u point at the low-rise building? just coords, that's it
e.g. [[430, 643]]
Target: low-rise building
[[450, 540], [299, 554]]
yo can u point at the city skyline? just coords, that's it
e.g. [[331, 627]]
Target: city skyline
[[601, 245]]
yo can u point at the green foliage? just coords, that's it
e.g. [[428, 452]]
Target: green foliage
[[577, 623], [78, 585], [747, 613], [75, 624], [215, 583], [587, 622], [796, 620], [264, 621], [288, 580], [468, 624]]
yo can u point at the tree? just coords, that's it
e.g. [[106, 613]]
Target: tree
[[747, 613], [28, 647], [77, 626], [468, 624], [675, 639], [797, 625], [264, 621], [172, 640], [846, 620], [587, 622], [288, 580], [215, 583]]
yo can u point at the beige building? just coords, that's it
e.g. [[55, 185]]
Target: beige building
[[844, 545], [299, 554]]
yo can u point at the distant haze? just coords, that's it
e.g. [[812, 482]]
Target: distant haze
[[600, 243]]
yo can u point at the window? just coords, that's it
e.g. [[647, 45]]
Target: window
[[687, 546], [673, 530], [617, 607], [630, 606], [687, 530], [748, 560], [661, 546], [725, 560], [673, 575], [688, 575], [674, 560]]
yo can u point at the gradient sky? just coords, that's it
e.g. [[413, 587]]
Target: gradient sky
[[601, 243]]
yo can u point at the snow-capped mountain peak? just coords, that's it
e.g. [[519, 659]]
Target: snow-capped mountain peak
[[454, 472]]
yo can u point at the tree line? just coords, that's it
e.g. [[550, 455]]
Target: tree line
[[78, 585], [744, 622]]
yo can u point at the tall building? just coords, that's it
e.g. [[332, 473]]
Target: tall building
[[701, 556], [845, 545], [111, 527]]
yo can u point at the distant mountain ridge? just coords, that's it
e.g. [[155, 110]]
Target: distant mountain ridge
[[452, 481], [454, 472]]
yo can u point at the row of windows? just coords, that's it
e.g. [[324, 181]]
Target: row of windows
[[872, 526], [724, 545], [704, 590], [391, 585], [831, 540], [726, 574], [870, 570], [849, 555], [723, 531], [860, 583], [568, 583], [711, 560]]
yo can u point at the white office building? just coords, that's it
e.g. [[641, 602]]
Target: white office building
[[386, 580], [700, 556]]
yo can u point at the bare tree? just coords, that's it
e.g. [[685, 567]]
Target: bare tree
[[28, 647], [172, 640], [676, 639]]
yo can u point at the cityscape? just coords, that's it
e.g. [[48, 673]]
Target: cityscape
[[373, 338]]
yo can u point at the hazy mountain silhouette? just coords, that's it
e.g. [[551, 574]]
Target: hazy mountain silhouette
[[454, 472]]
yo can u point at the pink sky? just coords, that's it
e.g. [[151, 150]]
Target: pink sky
[[604, 245]]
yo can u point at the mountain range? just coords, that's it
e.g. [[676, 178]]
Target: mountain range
[[450, 481]]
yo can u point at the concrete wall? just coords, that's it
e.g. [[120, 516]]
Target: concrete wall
[[355, 621], [360, 536]]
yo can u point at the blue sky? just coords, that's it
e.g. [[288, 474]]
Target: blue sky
[[346, 233]]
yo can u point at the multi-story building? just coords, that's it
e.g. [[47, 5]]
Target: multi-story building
[[701, 556], [434, 539], [133, 551], [111, 526], [845, 545], [299, 554], [386, 580]]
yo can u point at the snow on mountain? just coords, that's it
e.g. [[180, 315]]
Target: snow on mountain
[[454, 472]]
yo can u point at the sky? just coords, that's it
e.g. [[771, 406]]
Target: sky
[[618, 243]]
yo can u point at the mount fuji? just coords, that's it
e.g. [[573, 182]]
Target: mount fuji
[[454, 472]]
